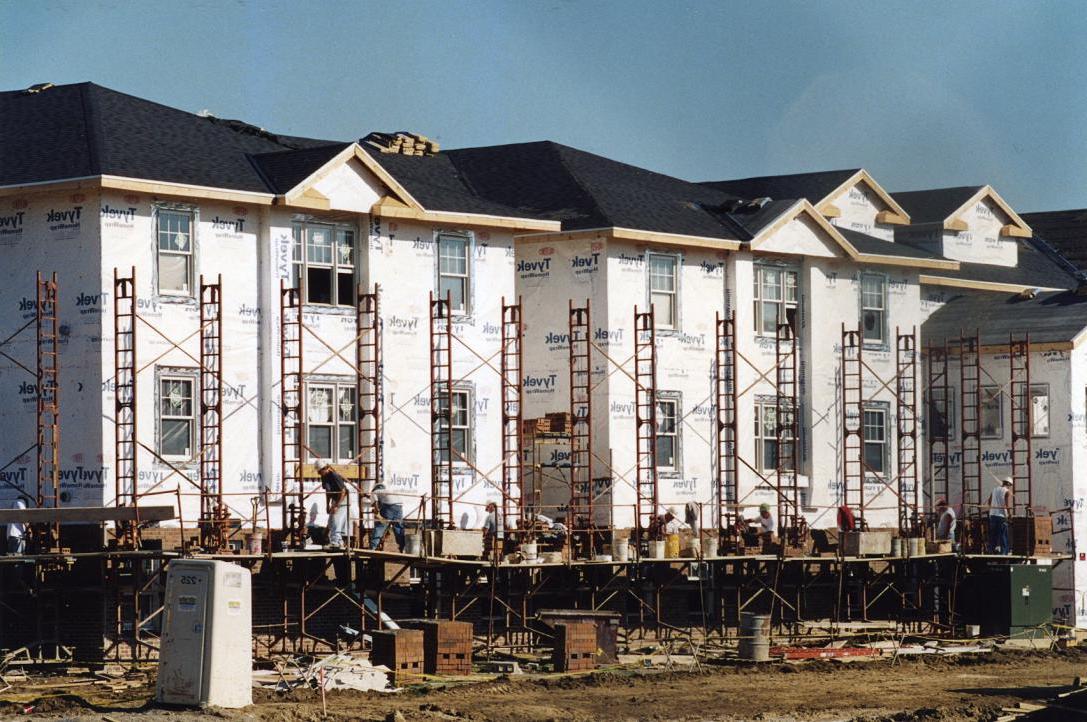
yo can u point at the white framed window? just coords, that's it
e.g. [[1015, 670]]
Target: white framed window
[[323, 263], [1039, 410], [668, 432], [876, 439], [766, 437], [331, 418], [177, 417], [174, 251], [664, 289], [776, 298], [941, 425], [992, 413], [460, 432], [874, 308], [454, 271]]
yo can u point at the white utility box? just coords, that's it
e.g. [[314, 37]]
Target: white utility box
[[206, 653]]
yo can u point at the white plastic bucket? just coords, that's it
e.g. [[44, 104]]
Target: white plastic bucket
[[709, 547], [656, 549], [529, 549], [620, 549], [413, 544]]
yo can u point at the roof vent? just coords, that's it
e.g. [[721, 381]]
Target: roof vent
[[38, 87], [1028, 293], [402, 142]]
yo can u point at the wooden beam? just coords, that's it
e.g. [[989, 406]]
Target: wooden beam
[[74, 514], [1014, 231], [892, 218], [955, 224], [388, 207], [829, 210]]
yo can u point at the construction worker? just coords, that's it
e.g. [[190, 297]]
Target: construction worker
[[494, 528], [1000, 509], [766, 523], [336, 503], [846, 520], [946, 522], [16, 532], [388, 512]]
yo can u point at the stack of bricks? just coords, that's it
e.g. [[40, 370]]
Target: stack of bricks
[[447, 647], [575, 647], [400, 650]]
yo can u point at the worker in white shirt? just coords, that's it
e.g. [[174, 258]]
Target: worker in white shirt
[[16, 535], [946, 522], [766, 523], [1000, 509]]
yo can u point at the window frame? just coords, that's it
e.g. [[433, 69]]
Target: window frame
[[761, 439], [672, 324], [337, 385], [949, 421], [673, 398], [466, 278], [992, 393], [884, 341], [885, 443], [1048, 411], [192, 214], [190, 376], [468, 460], [783, 303], [301, 263]]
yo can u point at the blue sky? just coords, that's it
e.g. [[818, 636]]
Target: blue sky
[[921, 94]]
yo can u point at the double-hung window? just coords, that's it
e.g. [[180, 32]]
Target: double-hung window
[[454, 271], [460, 427], [331, 417], [767, 438], [176, 269], [668, 434], [1039, 410], [992, 416], [941, 415], [776, 299], [177, 418], [664, 289], [875, 439], [323, 261], [874, 308]]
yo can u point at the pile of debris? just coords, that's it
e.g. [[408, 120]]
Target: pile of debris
[[336, 671], [402, 142]]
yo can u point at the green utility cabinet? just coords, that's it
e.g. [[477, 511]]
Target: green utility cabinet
[[1009, 599]]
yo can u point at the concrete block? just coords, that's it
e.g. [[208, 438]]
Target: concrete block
[[866, 543], [455, 543]]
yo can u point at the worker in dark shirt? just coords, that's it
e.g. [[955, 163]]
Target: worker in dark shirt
[[336, 501]]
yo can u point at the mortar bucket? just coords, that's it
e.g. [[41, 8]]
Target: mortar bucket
[[671, 546]]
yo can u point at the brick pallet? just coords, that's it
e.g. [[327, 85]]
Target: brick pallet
[[575, 647], [447, 646], [401, 651]]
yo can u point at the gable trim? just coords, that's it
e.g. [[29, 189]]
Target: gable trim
[[929, 280], [390, 207], [803, 207], [897, 215], [351, 151], [946, 264], [1018, 228]]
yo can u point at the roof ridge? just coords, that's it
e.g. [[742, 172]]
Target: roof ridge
[[577, 181], [91, 131]]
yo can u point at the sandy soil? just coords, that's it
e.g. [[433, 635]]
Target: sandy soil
[[946, 689]]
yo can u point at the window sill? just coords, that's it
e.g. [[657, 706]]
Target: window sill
[[325, 308], [669, 473], [179, 299]]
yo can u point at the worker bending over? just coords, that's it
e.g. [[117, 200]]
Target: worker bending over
[[388, 512], [336, 503]]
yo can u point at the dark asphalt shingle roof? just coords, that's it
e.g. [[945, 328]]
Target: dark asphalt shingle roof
[[813, 186], [1037, 266], [1065, 231], [285, 169], [72, 131], [1049, 317], [551, 181], [934, 205], [870, 244]]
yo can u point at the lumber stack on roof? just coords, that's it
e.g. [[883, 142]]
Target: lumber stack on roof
[[402, 142]]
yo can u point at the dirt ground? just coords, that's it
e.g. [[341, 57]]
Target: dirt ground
[[945, 689]]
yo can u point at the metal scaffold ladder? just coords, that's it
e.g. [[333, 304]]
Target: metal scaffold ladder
[[48, 409], [512, 367], [853, 420], [290, 408], [788, 428], [725, 392], [939, 420], [645, 416], [906, 427], [581, 417], [970, 395], [1022, 452], [126, 492], [441, 412], [369, 370], [214, 520]]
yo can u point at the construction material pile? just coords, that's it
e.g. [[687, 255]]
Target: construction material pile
[[402, 142], [336, 671]]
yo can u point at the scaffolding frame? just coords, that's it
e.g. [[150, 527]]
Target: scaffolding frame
[[512, 390], [726, 394], [1021, 422], [369, 367], [214, 520], [47, 391], [126, 475], [787, 411], [853, 420], [906, 431], [938, 399], [970, 421], [581, 417], [290, 409], [647, 498], [441, 411]]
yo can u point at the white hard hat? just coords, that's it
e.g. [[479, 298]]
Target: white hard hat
[[672, 510], [320, 464]]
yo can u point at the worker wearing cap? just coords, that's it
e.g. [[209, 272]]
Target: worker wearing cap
[[946, 522], [672, 524], [336, 502], [766, 523], [388, 512], [1000, 508]]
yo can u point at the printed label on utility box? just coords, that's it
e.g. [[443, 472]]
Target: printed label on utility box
[[186, 603]]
